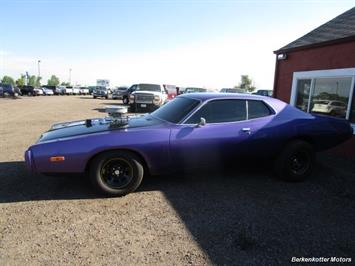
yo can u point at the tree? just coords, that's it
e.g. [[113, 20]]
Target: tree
[[38, 81], [65, 83], [246, 83], [53, 81], [21, 81], [34, 81], [8, 80]]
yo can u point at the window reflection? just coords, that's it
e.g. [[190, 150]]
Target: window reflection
[[331, 96], [303, 90]]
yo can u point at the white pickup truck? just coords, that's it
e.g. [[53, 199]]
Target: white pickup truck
[[76, 90], [84, 90], [147, 97], [68, 90]]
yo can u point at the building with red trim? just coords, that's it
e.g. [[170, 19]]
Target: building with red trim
[[316, 72]]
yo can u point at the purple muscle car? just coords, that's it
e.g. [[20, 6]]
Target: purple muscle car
[[193, 130]]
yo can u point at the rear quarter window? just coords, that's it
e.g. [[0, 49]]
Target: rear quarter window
[[257, 109]]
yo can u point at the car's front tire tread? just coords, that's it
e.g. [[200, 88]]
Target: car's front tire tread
[[99, 184]]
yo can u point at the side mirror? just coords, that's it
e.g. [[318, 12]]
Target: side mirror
[[202, 122]]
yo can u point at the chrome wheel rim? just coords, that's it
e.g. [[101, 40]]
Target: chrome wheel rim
[[299, 162], [116, 173]]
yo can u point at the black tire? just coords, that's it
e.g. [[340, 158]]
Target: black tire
[[295, 162], [94, 97], [106, 97], [125, 100], [116, 173]]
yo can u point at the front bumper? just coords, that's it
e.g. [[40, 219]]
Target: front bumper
[[115, 96], [30, 161]]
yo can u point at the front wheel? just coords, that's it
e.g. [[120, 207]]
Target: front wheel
[[116, 173], [295, 162], [125, 100]]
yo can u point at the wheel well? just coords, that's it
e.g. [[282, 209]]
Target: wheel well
[[307, 139], [145, 165]]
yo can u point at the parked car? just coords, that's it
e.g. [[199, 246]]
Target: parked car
[[68, 90], [61, 90], [47, 91], [9, 90], [84, 91], [38, 91], [91, 89], [57, 90], [171, 90], [102, 92], [330, 107], [193, 89], [232, 90], [147, 97], [76, 90], [193, 130], [264, 92], [122, 93], [28, 90]]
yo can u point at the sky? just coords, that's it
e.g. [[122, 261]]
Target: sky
[[185, 43]]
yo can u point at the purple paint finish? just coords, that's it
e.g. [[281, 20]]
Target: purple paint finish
[[165, 146]]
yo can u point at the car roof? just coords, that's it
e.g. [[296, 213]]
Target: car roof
[[276, 104], [215, 95]]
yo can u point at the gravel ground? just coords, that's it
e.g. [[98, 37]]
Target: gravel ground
[[236, 217]]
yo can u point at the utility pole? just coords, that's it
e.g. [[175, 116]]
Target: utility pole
[[39, 69], [69, 76], [39, 72]]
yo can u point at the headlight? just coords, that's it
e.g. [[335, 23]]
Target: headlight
[[156, 99], [131, 98]]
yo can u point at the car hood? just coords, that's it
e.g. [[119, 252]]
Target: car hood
[[97, 125]]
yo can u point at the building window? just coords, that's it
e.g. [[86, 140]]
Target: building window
[[303, 93], [331, 96], [328, 92]]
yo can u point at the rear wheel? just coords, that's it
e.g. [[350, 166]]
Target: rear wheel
[[295, 162], [116, 173]]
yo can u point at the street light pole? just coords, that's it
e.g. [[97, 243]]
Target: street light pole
[[69, 76], [39, 69], [39, 73]]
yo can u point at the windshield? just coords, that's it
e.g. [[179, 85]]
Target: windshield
[[191, 90], [148, 87], [176, 110]]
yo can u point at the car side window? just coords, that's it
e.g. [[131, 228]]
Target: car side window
[[257, 109], [220, 111]]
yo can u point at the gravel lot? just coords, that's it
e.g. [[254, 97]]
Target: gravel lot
[[235, 218]]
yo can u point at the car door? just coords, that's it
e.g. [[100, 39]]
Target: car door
[[215, 142], [234, 129]]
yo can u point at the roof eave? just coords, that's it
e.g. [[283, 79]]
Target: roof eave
[[315, 45]]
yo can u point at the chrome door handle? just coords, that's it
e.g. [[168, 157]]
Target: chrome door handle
[[246, 130]]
